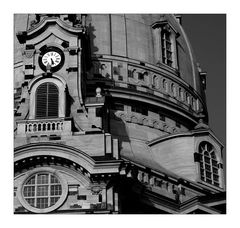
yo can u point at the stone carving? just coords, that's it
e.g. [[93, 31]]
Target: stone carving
[[102, 69], [105, 70], [175, 191], [161, 84], [145, 120], [29, 53], [96, 190]]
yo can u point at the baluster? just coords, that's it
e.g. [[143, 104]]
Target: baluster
[[39, 127], [44, 127], [53, 126], [34, 127]]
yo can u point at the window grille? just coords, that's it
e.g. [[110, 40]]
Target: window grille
[[42, 190]]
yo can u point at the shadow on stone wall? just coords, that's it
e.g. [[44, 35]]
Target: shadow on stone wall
[[130, 194]]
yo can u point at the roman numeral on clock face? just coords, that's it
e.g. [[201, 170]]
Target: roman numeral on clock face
[[52, 58]]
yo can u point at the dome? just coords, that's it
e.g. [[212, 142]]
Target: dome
[[136, 37], [150, 54], [110, 98]]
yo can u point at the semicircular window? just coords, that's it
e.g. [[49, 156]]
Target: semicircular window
[[208, 164], [47, 100], [42, 190]]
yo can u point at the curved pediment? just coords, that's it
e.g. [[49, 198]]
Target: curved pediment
[[75, 155], [197, 132], [45, 24]]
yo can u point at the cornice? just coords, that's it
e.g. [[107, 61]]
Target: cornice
[[185, 134], [134, 95], [68, 152]]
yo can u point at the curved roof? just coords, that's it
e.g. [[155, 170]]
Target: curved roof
[[131, 36]]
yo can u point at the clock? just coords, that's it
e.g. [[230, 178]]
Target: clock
[[53, 57]]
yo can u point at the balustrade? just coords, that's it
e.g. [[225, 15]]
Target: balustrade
[[43, 126]]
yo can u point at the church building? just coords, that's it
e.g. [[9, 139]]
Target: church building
[[110, 117]]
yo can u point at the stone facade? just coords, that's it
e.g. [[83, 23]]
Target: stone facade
[[111, 117]]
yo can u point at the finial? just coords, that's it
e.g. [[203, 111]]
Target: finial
[[98, 92]]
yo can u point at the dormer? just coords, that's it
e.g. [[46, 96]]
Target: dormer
[[165, 36]]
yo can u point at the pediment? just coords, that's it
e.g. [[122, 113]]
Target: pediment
[[50, 37], [50, 25]]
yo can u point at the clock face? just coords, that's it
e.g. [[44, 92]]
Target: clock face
[[51, 58]]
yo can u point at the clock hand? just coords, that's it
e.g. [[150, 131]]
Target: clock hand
[[52, 61]]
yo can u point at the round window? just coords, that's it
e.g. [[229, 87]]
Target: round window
[[42, 192]]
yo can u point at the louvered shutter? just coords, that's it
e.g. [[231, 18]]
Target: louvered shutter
[[52, 100], [47, 101]]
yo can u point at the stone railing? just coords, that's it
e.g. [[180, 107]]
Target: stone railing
[[147, 79], [44, 126]]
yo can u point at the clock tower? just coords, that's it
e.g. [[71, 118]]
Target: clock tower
[[51, 114]]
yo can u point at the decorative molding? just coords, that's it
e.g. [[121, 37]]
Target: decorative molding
[[144, 120], [155, 183], [29, 53], [73, 50], [156, 82]]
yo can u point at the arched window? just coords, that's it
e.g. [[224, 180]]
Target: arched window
[[155, 81], [167, 52], [180, 94], [164, 41], [188, 98], [193, 104], [173, 89], [208, 164], [47, 100], [165, 85]]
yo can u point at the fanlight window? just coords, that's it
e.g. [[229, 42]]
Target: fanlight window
[[208, 164], [47, 100], [42, 190]]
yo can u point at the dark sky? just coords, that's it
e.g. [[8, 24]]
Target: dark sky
[[207, 35]]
